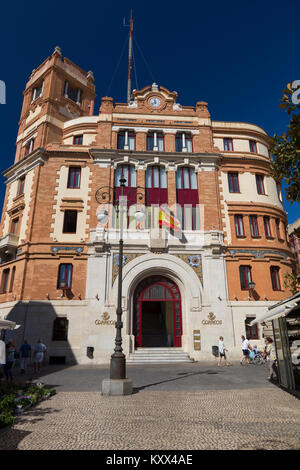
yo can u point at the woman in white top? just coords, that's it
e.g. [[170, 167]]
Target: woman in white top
[[222, 352], [245, 348]]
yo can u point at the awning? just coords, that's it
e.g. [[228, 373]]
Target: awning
[[282, 309], [8, 325]]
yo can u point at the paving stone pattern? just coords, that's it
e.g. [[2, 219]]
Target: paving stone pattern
[[262, 418]]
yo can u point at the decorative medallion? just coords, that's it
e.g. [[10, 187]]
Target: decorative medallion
[[195, 261]]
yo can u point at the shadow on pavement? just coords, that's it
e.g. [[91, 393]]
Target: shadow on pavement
[[183, 374]]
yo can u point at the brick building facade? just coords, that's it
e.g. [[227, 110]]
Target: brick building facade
[[59, 266]]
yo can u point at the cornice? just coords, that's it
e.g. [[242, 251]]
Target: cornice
[[37, 157]]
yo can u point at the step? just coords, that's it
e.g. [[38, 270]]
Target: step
[[158, 356]]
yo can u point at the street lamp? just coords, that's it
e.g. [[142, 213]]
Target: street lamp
[[118, 384]]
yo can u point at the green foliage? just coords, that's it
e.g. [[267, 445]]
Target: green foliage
[[286, 149], [290, 282], [6, 419], [14, 396]]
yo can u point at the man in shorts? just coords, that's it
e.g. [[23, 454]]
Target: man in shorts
[[39, 350]]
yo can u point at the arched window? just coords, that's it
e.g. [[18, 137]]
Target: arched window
[[184, 142], [187, 198], [155, 141], [126, 140]]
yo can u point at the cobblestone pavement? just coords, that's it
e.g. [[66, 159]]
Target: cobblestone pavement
[[264, 418]]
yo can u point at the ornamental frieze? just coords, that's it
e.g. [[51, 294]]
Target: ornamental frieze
[[126, 259], [195, 261], [259, 253], [56, 249]]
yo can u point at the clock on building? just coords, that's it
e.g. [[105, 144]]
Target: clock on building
[[155, 102]]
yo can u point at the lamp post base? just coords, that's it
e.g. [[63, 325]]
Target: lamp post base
[[116, 387]]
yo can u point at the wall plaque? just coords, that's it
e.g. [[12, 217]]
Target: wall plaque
[[105, 320], [212, 320]]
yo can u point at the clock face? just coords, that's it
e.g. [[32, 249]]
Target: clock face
[[155, 102]]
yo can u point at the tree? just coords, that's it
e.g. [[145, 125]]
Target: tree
[[286, 147]]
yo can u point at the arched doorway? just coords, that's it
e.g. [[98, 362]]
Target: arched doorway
[[157, 313]]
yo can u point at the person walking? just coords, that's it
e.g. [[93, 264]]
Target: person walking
[[245, 349], [10, 359], [24, 355], [270, 352], [222, 352], [39, 350]]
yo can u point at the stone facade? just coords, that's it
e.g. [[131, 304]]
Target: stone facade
[[58, 131]]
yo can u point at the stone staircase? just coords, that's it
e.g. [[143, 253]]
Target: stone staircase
[[158, 356]]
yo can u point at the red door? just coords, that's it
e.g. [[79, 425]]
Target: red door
[[157, 289]]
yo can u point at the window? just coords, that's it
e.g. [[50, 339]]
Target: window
[[155, 141], [14, 226], [77, 140], [126, 140], [251, 331], [233, 182], [252, 146], [187, 198], [254, 226], [12, 279], [277, 222], [156, 193], [70, 221], [245, 277], [37, 91], [74, 177], [29, 146], [156, 177], [4, 281], [239, 226], [260, 184], [267, 226], [127, 172], [60, 329], [65, 276], [228, 144], [186, 178], [21, 186], [72, 93], [183, 142], [275, 278]]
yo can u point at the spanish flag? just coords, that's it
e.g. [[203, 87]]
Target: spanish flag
[[167, 219]]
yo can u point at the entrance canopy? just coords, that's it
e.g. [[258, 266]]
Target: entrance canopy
[[281, 309]]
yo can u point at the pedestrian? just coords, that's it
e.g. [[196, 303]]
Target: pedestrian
[[24, 355], [10, 359], [38, 355], [2, 353], [271, 355], [222, 352], [245, 349]]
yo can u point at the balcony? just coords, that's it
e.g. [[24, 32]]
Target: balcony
[[8, 247]]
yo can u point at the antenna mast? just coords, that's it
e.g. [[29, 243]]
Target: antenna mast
[[129, 57]]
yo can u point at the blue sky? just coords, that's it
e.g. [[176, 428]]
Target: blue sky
[[236, 56]]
